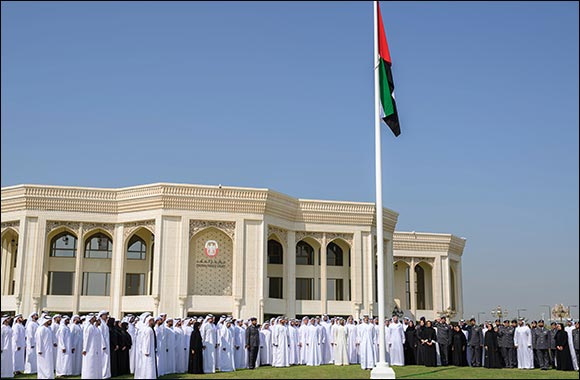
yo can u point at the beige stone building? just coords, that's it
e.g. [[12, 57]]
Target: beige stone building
[[190, 249]]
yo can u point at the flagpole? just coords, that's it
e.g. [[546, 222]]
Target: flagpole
[[382, 369]]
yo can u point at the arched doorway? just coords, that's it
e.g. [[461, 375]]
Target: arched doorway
[[402, 290]]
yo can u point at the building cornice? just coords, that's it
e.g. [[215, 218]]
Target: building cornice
[[191, 197], [432, 242]]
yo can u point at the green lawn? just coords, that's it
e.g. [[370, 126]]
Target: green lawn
[[355, 372]]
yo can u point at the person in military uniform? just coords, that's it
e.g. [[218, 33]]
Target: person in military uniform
[[497, 326], [533, 328], [553, 332], [541, 345], [576, 341], [443, 338], [253, 342], [475, 343], [506, 336]]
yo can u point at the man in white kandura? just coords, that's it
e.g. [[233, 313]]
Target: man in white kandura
[[209, 339], [92, 354], [76, 335], [396, 342], [18, 344], [30, 358], [366, 340], [340, 343], [280, 344], [44, 349], [147, 367], [64, 350], [226, 352], [7, 363], [523, 345]]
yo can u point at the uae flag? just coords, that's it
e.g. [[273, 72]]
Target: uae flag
[[386, 85]]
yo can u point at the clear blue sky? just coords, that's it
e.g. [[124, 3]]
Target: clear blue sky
[[280, 95]]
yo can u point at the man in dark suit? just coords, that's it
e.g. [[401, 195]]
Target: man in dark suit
[[253, 341]]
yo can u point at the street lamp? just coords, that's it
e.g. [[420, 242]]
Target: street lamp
[[519, 312], [478, 314], [549, 311], [498, 312], [570, 309]]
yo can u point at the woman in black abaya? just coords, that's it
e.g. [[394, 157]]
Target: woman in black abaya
[[492, 354], [428, 338], [410, 344], [458, 347], [563, 358], [195, 351]]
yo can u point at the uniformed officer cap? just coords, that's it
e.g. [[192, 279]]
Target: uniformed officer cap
[[253, 319], [534, 322], [443, 317], [472, 319], [541, 321], [514, 321], [553, 323], [506, 321]]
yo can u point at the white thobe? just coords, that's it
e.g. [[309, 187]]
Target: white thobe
[[170, 344], [569, 330], [45, 353], [161, 356], [265, 347], [76, 334], [302, 333], [54, 328], [30, 358], [280, 343], [523, 343], [18, 341], [106, 341], [181, 358], [209, 338], [377, 332], [226, 349], [326, 346], [132, 331], [147, 368], [340, 339], [7, 369], [351, 343], [63, 359], [366, 339], [92, 360], [396, 342], [294, 353], [313, 341], [239, 347]]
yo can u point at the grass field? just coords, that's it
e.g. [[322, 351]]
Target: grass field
[[355, 372]]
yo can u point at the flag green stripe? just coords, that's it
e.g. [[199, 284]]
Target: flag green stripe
[[385, 90]]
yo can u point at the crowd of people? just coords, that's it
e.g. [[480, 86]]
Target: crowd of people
[[100, 346]]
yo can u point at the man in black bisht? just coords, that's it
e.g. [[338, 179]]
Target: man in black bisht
[[253, 341], [125, 343]]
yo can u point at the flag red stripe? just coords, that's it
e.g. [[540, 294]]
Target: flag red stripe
[[383, 45]]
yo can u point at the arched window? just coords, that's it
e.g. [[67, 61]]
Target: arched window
[[275, 252], [304, 254], [420, 286], [63, 245], [334, 255], [136, 248], [99, 246]]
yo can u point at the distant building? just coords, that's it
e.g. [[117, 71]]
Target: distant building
[[189, 249]]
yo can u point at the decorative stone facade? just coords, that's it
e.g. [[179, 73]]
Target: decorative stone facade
[[205, 249]]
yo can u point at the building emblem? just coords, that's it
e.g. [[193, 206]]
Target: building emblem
[[211, 248]]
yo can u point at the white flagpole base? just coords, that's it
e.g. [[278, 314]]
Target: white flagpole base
[[382, 371]]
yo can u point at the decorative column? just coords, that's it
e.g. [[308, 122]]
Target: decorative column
[[412, 288], [78, 284], [290, 281], [323, 275], [446, 281], [459, 289], [237, 307], [157, 263], [156, 305], [117, 271]]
